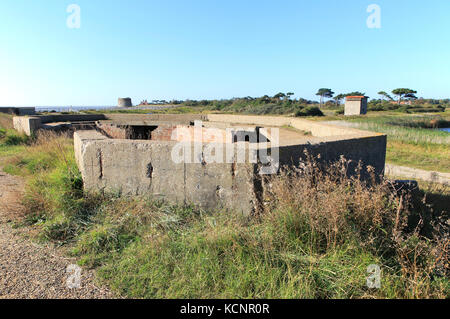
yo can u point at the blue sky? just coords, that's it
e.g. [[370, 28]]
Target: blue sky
[[218, 49]]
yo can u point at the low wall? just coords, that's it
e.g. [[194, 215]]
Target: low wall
[[21, 111], [316, 128], [370, 151], [118, 118], [137, 167]]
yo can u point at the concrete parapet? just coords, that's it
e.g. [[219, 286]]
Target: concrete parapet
[[26, 124], [21, 111], [146, 167]]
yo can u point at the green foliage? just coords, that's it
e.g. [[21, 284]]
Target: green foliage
[[356, 93], [385, 95], [323, 92], [338, 98], [340, 111], [309, 111], [11, 142], [404, 92], [420, 106], [9, 137]]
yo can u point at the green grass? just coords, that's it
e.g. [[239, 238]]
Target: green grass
[[409, 142], [406, 129], [11, 142], [433, 157], [8, 151]]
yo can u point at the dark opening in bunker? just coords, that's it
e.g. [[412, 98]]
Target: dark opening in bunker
[[140, 132], [249, 136]]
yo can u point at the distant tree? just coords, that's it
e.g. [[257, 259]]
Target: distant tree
[[338, 98], [265, 99], [289, 94], [403, 92], [356, 93], [324, 93], [410, 96], [279, 96], [383, 95]]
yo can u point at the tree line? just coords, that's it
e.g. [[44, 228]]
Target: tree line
[[401, 93]]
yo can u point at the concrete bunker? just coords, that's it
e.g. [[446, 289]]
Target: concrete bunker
[[216, 161]]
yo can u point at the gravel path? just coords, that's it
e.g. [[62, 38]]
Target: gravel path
[[28, 270]]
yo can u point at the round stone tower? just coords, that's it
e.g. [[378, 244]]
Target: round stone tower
[[124, 102]]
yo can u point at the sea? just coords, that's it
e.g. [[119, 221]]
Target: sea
[[94, 107], [73, 108]]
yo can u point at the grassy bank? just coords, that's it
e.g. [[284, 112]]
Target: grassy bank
[[413, 141], [11, 142], [316, 238]]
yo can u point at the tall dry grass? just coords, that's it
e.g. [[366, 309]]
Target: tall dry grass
[[329, 209], [6, 121]]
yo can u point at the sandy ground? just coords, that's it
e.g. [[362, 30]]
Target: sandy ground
[[29, 270]]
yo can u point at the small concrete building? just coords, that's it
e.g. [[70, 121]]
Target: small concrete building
[[355, 105], [124, 102]]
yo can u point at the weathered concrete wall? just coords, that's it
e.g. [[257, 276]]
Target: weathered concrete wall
[[317, 129], [371, 151], [123, 119], [146, 167], [27, 125], [173, 118], [163, 133], [112, 130], [21, 111], [71, 118]]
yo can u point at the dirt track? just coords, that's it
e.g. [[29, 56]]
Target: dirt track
[[29, 270]]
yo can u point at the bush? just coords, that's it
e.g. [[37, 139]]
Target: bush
[[340, 111], [11, 138], [309, 111]]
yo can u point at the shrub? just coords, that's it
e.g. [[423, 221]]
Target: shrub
[[10, 138], [340, 111], [309, 111]]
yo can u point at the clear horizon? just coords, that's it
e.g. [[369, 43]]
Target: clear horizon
[[204, 50]]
